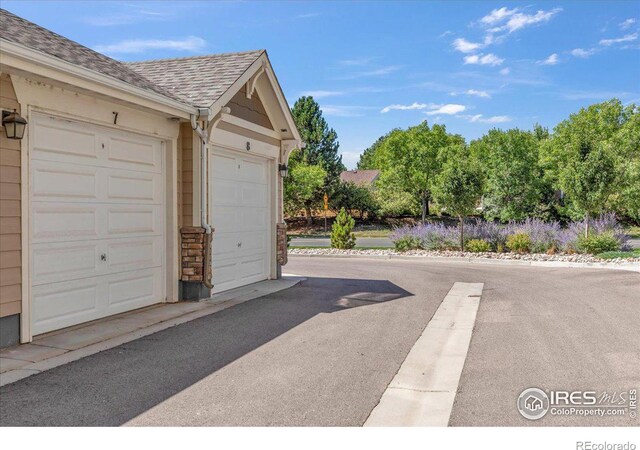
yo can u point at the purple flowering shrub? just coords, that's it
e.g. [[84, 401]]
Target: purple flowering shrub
[[543, 236]]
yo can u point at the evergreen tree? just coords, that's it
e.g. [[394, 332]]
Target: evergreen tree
[[321, 141], [342, 231]]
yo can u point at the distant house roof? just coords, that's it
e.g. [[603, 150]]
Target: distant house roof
[[20, 31], [360, 177], [198, 80]]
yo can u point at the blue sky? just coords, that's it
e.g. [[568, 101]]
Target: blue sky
[[379, 65]]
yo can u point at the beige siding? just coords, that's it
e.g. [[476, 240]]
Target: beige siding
[[10, 239], [251, 109], [186, 181]]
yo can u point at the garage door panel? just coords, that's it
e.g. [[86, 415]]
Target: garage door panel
[[127, 220], [64, 222], [254, 195], [253, 267], [64, 304], [252, 243], [225, 245], [134, 154], [128, 186], [253, 219], [133, 290], [63, 261], [224, 272], [224, 167], [87, 184], [253, 171], [226, 192], [59, 181], [129, 254], [58, 140], [225, 219]]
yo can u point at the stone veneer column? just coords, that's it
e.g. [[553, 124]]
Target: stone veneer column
[[193, 256], [281, 243]]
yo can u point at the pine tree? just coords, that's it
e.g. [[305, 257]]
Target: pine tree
[[342, 231]]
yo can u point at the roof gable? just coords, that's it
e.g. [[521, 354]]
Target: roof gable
[[199, 80]]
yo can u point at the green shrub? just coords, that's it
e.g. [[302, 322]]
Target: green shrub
[[598, 243], [408, 243], [519, 242], [342, 231], [478, 246]]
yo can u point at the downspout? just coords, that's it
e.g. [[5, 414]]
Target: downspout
[[204, 137]]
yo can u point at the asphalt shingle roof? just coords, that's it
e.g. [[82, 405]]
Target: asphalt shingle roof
[[360, 177], [20, 31], [198, 80]]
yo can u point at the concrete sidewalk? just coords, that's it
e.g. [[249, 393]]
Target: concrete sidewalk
[[70, 344]]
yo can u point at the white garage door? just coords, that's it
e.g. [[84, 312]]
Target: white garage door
[[96, 199], [240, 217]]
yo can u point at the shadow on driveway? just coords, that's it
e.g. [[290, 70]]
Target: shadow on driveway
[[117, 385]]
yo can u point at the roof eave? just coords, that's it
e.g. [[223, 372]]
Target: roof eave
[[22, 58]]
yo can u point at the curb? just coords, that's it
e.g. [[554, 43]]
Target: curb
[[632, 267]]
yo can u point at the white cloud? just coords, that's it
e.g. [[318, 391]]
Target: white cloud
[[552, 60], [473, 93], [414, 105], [191, 43], [464, 46], [505, 71], [627, 24], [131, 15], [626, 38], [481, 119], [520, 20], [448, 109], [488, 59], [307, 15], [498, 15], [321, 94], [582, 53]]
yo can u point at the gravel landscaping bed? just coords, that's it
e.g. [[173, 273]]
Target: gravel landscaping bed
[[562, 257]]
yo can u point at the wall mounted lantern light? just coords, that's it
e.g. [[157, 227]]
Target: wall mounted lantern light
[[284, 170], [14, 124]]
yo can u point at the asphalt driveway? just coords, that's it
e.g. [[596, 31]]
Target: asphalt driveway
[[323, 352]]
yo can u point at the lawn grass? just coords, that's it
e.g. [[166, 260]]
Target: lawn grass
[[633, 232], [635, 253], [358, 234]]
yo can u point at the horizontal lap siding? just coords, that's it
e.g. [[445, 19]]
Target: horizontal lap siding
[[10, 211], [251, 109]]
